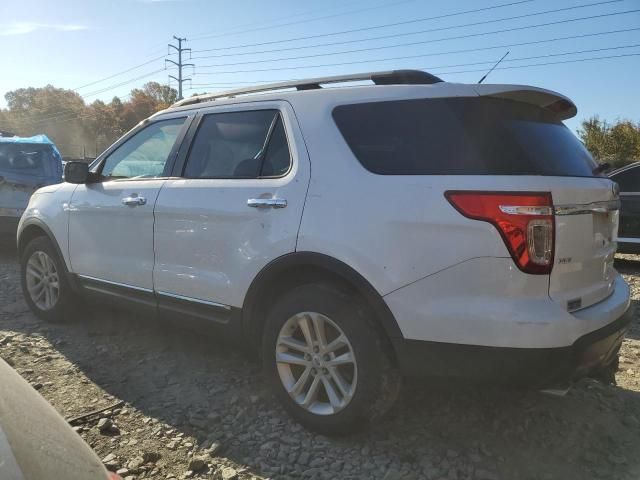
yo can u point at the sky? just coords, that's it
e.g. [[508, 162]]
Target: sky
[[78, 44]]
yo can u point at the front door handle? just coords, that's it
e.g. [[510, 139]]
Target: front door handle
[[267, 202], [134, 200]]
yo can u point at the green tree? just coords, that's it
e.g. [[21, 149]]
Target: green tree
[[56, 112], [617, 144]]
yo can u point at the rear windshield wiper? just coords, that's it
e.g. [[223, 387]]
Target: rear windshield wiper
[[601, 167]]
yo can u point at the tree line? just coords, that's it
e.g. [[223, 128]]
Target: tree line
[[617, 143], [78, 128], [75, 127]]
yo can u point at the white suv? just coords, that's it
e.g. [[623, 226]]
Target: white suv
[[351, 235]]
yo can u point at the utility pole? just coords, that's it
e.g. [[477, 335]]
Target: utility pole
[[179, 64]]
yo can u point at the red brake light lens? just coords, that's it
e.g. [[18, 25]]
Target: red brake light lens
[[525, 221]]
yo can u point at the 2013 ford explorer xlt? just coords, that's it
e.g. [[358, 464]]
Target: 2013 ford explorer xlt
[[351, 235]]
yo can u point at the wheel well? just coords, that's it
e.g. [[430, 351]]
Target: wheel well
[[287, 273], [29, 233]]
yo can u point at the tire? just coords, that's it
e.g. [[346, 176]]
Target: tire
[[359, 402], [43, 257], [607, 373]]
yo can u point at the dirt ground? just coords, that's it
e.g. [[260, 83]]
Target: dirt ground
[[189, 406]]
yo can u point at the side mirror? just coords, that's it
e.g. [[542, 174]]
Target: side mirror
[[76, 172]]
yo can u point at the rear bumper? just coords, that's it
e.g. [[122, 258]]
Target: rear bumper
[[533, 367], [487, 302]]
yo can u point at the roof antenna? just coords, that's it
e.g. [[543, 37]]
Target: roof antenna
[[497, 63]]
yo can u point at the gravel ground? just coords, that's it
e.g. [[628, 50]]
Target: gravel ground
[[185, 405]]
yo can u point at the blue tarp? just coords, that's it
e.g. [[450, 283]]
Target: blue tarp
[[36, 139]]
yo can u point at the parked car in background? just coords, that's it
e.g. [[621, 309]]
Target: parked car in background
[[36, 443], [351, 235], [628, 179], [26, 164]]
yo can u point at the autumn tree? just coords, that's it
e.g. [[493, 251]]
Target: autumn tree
[[75, 126], [146, 101]]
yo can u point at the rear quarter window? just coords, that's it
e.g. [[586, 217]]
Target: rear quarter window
[[461, 136]]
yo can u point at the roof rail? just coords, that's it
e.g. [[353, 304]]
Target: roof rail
[[391, 77]]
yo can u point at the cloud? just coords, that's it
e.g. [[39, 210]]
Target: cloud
[[24, 28]]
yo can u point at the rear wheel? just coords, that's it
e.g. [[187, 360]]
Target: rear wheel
[[328, 364], [44, 281]]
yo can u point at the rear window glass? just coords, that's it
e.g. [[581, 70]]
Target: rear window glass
[[25, 159], [461, 136]]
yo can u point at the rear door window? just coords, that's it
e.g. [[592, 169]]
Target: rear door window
[[248, 144], [461, 136]]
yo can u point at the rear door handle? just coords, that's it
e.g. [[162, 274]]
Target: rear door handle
[[134, 200], [267, 202]]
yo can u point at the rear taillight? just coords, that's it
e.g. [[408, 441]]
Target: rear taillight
[[525, 222]]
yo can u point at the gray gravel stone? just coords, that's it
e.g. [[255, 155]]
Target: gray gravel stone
[[229, 473], [198, 463], [105, 424]]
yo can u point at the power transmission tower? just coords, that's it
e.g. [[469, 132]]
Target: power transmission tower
[[179, 64]]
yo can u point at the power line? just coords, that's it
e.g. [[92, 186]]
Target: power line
[[62, 113], [55, 115], [514, 67], [119, 73], [37, 123], [111, 87], [534, 57], [492, 47], [422, 42], [104, 89], [321, 35], [270, 25], [351, 12], [608, 57], [519, 59], [343, 13], [396, 35], [63, 117]]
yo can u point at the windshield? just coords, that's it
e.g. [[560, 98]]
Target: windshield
[[27, 159], [461, 136]]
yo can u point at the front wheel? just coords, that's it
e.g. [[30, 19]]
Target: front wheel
[[44, 283], [329, 366]]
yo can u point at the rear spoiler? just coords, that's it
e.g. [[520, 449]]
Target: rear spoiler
[[556, 103]]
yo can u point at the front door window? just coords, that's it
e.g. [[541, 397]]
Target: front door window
[[144, 155]]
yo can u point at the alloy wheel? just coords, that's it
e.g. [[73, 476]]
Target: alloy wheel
[[316, 363], [43, 282]]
